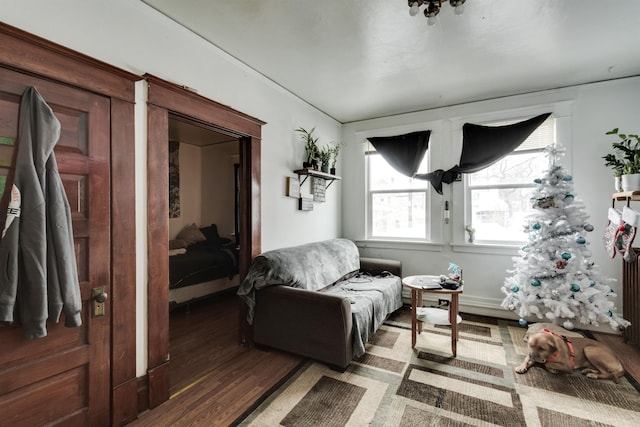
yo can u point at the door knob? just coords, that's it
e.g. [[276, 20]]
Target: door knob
[[99, 297]]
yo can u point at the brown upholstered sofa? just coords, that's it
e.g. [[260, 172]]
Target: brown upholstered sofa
[[320, 300]]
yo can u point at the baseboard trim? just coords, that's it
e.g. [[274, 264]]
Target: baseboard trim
[[143, 393]]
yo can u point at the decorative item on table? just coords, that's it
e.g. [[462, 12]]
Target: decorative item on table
[[453, 280], [471, 231], [310, 147], [625, 161]]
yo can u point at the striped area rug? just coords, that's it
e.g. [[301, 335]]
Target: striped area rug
[[394, 385]]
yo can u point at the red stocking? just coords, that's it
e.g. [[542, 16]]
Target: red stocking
[[611, 231], [627, 232]]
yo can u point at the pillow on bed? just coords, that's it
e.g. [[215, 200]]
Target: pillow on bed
[[191, 234], [177, 244], [210, 232]]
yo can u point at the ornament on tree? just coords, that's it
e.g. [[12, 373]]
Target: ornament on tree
[[553, 277], [545, 202], [568, 325]]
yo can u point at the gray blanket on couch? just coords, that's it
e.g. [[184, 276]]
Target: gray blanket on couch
[[315, 266], [312, 266], [372, 300]]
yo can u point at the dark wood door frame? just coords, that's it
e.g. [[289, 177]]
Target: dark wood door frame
[[33, 55], [169, 100]]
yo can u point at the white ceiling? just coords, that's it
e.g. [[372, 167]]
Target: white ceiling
[[360, 59]]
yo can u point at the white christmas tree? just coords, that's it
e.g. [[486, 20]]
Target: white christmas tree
[[554, 276]]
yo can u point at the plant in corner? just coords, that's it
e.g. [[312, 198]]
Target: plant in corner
[[625, 160], [310, 145]]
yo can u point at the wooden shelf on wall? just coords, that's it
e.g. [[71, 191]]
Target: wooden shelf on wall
[[627, 195], [310, 172]]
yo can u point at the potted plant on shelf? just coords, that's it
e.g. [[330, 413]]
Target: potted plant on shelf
[[310, 147], [625, 160], [335, 151], [325, 158]]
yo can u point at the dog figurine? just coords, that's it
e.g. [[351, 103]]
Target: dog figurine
[[561, 354]]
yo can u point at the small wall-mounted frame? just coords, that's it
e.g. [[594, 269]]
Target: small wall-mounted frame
[[305, 202], [293, 187], [318, 188]]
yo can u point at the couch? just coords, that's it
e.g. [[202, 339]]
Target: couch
[[320, 300]]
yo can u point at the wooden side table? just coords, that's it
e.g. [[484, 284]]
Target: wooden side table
[[418, 284]]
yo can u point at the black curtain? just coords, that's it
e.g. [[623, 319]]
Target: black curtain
[[482, 146], [403, 152]]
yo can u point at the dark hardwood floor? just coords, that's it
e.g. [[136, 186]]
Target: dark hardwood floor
[[214, 379], [629, 355], [202, 337]]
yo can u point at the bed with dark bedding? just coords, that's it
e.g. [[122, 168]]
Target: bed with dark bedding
[[203, 262]]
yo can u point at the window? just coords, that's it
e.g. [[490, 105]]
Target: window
[[397, 205], [498, 196]]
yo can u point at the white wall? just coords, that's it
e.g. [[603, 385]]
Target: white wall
[[218, 186], [594, 109], [132, 36]]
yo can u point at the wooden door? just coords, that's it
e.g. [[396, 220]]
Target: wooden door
[[64, 378]]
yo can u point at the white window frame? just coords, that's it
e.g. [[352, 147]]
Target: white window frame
[[421, 191], [433, 157], [461, 194]]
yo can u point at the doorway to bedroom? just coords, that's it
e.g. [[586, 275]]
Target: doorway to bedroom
[[203, 212], [167, 102], [203, 247]]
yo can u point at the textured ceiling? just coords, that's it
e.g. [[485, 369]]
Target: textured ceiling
[[357, 59]]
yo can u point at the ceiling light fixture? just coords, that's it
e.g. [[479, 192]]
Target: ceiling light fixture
[[432, 8]]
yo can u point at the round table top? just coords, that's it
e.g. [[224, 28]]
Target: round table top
[[427, 283]]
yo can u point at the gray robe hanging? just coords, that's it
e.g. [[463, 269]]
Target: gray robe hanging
[[38, 277]]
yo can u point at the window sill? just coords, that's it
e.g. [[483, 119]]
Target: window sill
[[487, 248], [400, 245]]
